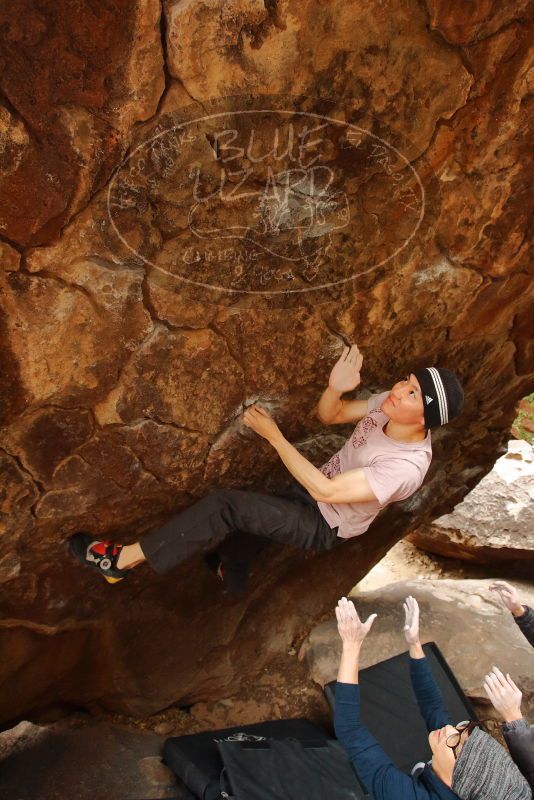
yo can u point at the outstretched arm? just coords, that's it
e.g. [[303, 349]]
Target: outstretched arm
[[345, 377], [373, 766], [523, 615], [506, 698], [426, 690], [349, 487]]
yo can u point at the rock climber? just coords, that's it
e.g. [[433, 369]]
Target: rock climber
[[383, 461]]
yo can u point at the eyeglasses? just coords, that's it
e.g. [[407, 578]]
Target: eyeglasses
[[453, 740]]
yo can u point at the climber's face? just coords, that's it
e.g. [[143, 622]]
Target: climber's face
[[405, 402]]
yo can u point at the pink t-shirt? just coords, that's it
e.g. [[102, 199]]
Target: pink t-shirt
[[394, 470]]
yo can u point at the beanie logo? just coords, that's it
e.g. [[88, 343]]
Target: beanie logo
[[428, 399]]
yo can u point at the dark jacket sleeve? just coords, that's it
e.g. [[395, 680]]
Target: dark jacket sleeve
[[526, 623], [428, 695], [376, 770], [519, 737]]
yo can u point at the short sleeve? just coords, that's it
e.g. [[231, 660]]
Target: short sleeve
[[393, 479], [376, 400]]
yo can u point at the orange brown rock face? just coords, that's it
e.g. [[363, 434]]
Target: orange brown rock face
[[154, 280], [74, 81]]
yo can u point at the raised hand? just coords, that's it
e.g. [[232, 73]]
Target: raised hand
[[350, 627], [411, 620], [504, 695], [510, 597], [345, 375]]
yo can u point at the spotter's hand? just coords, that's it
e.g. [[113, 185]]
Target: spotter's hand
[[349, 625], [411, 622], [261, 422]]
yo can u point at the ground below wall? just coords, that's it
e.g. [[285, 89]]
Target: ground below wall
[[285, 689], [133, 336]]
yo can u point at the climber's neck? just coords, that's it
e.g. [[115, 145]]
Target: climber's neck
[[404, 433]]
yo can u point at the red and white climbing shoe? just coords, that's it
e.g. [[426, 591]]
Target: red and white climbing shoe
[[100, 555], [233, 577]]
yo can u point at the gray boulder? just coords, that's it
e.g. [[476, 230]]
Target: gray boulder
[[86, 761], [494, 522]]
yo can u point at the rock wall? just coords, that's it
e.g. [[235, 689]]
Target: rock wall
[[468, 622], [142, 306]]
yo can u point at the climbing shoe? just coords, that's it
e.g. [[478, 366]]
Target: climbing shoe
[[215, 565], [98, 554], [234, 577]]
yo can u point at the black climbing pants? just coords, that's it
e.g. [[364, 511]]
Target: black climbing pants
[[248, 521]]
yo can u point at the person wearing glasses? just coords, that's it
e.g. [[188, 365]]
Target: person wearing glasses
[[467, 763]]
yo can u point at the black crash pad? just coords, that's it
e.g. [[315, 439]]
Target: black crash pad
[[196, 760], [389, 708], [289, 770], [268, 751]]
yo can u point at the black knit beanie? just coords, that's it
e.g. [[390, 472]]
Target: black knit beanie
[[443, 396]]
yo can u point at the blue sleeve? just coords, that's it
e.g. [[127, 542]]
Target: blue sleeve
[[374, 767], [429, 699]]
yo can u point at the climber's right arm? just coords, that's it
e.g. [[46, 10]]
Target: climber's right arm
[[332, 410], [345, 377]]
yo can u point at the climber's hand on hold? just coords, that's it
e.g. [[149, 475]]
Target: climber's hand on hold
[[345, 375], [260, 421]]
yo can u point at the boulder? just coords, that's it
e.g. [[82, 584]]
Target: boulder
[[200, 202], [74, 80], [494, 522], [86, 760], [468, 622]]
